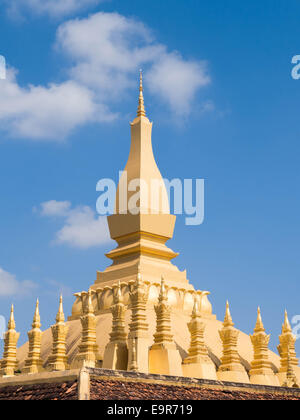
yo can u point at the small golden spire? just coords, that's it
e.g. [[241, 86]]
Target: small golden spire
[[11, 322], [228, 319], [58, 359], [163, 332], [90, 308], [60, 317], [259, 327], [286, 327], [286, 347], [197, 363], [34, 363], [196, 311], [119, 293], [36, 319], [163, 293], [88, 354], [231, 368], [116, 350], [138, 337], [261, 368], [9, 361], [141, 108]]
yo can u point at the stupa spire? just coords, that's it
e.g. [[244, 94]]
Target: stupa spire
[[141, 112], [88, 349], [163, 293], [231, 368], [196, 309], [138, 337], [58, 358], [119, 296], [164, 347], [228, 319], [116, 351], [142, 222], [261, 372], [9, 362], [60, 317], [259, 327], [11, 322], [198, 364], [36, 319], [286, 327], [34, 363], [286, 348]]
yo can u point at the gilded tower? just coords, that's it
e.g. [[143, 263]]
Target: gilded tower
[[142, 222], [141, 226]]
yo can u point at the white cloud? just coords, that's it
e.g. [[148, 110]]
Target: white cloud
[[10, 286], [176, 81], [106, 50], [82, 227], [50, 112], [53, 8], [55, 208]]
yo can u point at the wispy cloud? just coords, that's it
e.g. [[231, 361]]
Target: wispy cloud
[[55, 208], [52, 8], [47, 112], [82, 228], [176, 81], [106, 50], [10, 286]]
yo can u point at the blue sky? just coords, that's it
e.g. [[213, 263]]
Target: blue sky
[[218, 87]]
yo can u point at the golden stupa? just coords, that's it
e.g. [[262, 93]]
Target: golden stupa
[[142, 313]]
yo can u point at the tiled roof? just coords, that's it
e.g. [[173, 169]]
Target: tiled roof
[[101, 384], [45, 391], [120, 390]]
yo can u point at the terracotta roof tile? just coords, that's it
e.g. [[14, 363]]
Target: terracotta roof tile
[[118, 390], [49, 391]]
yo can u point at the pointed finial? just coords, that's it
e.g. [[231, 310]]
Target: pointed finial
[[61, 303], [259, 324], [90, 309], [60, 317], [11, 322], [119, 292], [162, 294], [196, 307], [286, 327], [228, 319], [141, 108], [36, 319]]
